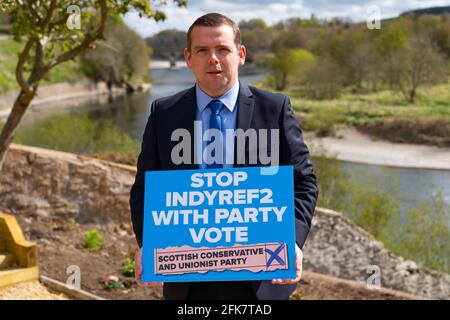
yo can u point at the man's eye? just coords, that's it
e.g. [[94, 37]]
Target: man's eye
[[201, 50], [224, 50]]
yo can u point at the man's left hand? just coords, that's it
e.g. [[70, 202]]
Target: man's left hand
[[298, 267]]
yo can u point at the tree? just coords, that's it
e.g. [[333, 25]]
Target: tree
[[134, 53], [291, 38], [441, 37], [351, 51], [252, 24], [394, 36], [288, 66], [44, 27], [257, 38], [167, 42], [421, 64], [324, 80], [123, 54], [363, 65]]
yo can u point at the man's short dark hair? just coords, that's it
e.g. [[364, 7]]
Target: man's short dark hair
[[215, 20]]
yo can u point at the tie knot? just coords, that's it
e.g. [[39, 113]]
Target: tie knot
[[216, 106]]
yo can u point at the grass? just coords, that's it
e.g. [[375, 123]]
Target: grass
[[78, 133], [93, 240], [361, 110], [9, 50], [353, 109]]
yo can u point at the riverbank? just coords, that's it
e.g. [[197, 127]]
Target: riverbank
[[64, 94], [383, 115], [351, 145]]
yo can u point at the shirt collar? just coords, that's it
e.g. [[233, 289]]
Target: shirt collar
[[229, 98]]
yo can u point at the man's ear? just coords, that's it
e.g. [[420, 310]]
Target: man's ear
[[187, 57], [242, 55]]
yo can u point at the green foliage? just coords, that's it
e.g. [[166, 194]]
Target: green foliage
[[24, 24], [419, 233], [333, 183], [351, 56], [441, 37], [128, 267], [123, 55], [69, 71], [44, 39], [78, 134], [294, 37], [393, 38], [323, 80], [374, 203], [424, 235], [356, 109], [170, 38], [93, 240], [57, 39], [9, 50], [323, 123], [420, 64], [54, 32], [112, 282], [257, 37], [289, 66], [252, 24], [111, 285]]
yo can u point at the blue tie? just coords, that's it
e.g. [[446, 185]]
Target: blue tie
[[215, 122]]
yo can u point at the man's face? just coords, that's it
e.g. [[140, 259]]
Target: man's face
[[214, 58]]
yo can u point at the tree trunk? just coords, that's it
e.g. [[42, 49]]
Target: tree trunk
[[9, 130], [412, 95]]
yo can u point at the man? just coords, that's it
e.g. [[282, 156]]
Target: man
[[220, 101]]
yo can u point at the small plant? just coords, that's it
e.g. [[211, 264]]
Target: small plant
[[112, 282], [93, 240], [128, 267]]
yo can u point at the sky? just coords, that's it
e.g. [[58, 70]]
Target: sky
[[273, 11]]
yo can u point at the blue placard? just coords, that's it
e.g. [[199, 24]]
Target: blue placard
[[215, 225]]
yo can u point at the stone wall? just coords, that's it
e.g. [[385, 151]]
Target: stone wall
[[50, 183], [337, 247], [42, 182]]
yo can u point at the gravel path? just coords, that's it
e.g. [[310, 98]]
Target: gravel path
[[29, 291]]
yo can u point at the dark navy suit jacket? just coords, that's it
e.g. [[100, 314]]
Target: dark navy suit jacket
[[257, 109]]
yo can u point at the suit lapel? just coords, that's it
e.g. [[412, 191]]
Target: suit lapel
[[185, 117], [246, 105]]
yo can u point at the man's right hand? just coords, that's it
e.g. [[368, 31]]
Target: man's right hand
[[138, 272]]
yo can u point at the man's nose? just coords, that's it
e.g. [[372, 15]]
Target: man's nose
[[213, 58]]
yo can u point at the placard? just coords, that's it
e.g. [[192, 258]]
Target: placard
[[217, 225]]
